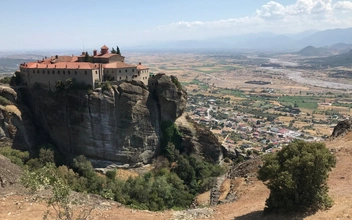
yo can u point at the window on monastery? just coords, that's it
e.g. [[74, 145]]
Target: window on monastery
[[132, 70], [138, 72], [120, 72], [58, 72], [96, 72], [85, 72], [75, 72], [33, 71], [126, 70], [126, 77], [120, 76], [48, 72], [107, 71], [37, 71], [68, 72], [63, 72], [43, 71], [53, 71]]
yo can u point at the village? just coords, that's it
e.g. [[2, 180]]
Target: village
[[250, 133]]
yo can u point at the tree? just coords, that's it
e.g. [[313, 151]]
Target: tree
[[296, 177], [113, 50], [87, 58], [118, 50]]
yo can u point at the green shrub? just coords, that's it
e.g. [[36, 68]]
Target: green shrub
[[16, 156], [6, 80], [4, 101], [106, 86], [176, 82], [111, 174], [296, 177]]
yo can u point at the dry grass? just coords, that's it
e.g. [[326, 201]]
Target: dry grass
[[125, 174]]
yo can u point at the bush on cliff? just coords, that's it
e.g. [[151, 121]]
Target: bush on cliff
[[196, 173], [178, 176], [296, 177]]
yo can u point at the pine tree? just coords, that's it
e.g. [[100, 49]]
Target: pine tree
[[113, 50], [118, 50]]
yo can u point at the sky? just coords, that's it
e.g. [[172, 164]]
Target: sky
[[88, 24]]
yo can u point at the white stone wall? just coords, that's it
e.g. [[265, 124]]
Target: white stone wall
[[121, 74], [144, 76], [49, 77]]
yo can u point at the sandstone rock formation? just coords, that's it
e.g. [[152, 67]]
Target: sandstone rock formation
[[117, 127], [199, 140]]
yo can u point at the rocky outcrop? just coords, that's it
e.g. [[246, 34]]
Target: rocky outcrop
[[16, 122], [9, 172], [120, 126], [342, 128], [199, 140]]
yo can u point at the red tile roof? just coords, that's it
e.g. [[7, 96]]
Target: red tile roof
[[118, 65], [104, 47], [141, 67], [62, 65], [107, 55]]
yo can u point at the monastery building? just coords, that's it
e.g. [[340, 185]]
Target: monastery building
[[88, 70]]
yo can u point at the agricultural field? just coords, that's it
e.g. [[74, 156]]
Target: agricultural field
[[290, 95]]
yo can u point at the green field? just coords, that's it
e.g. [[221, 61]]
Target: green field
[[305, 102], [236, 93]]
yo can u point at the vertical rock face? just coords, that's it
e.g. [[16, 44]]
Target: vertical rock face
[[121, 126]]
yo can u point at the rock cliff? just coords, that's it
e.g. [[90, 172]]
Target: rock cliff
[[119, 126]]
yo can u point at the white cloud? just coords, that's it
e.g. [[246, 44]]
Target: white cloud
[[273, 16], [272, 10], [343, 5]]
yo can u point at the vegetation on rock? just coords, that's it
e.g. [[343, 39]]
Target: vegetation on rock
[[296, 177]]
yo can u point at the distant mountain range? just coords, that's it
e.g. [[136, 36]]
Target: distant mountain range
[[263, 41]]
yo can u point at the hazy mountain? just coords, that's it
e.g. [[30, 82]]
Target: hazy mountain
[[344, 59], [341, 47], [329, 37], [260, 41], [314, 51], [302, 35]]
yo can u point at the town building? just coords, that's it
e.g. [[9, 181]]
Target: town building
[[85, 69]]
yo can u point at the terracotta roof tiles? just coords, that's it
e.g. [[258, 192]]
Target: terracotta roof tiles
[[62, 65], [118, 65]]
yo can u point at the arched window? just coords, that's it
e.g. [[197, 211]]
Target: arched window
[[63, 72], [126, 70], [85, 72], [75, 72], [68, 72]]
